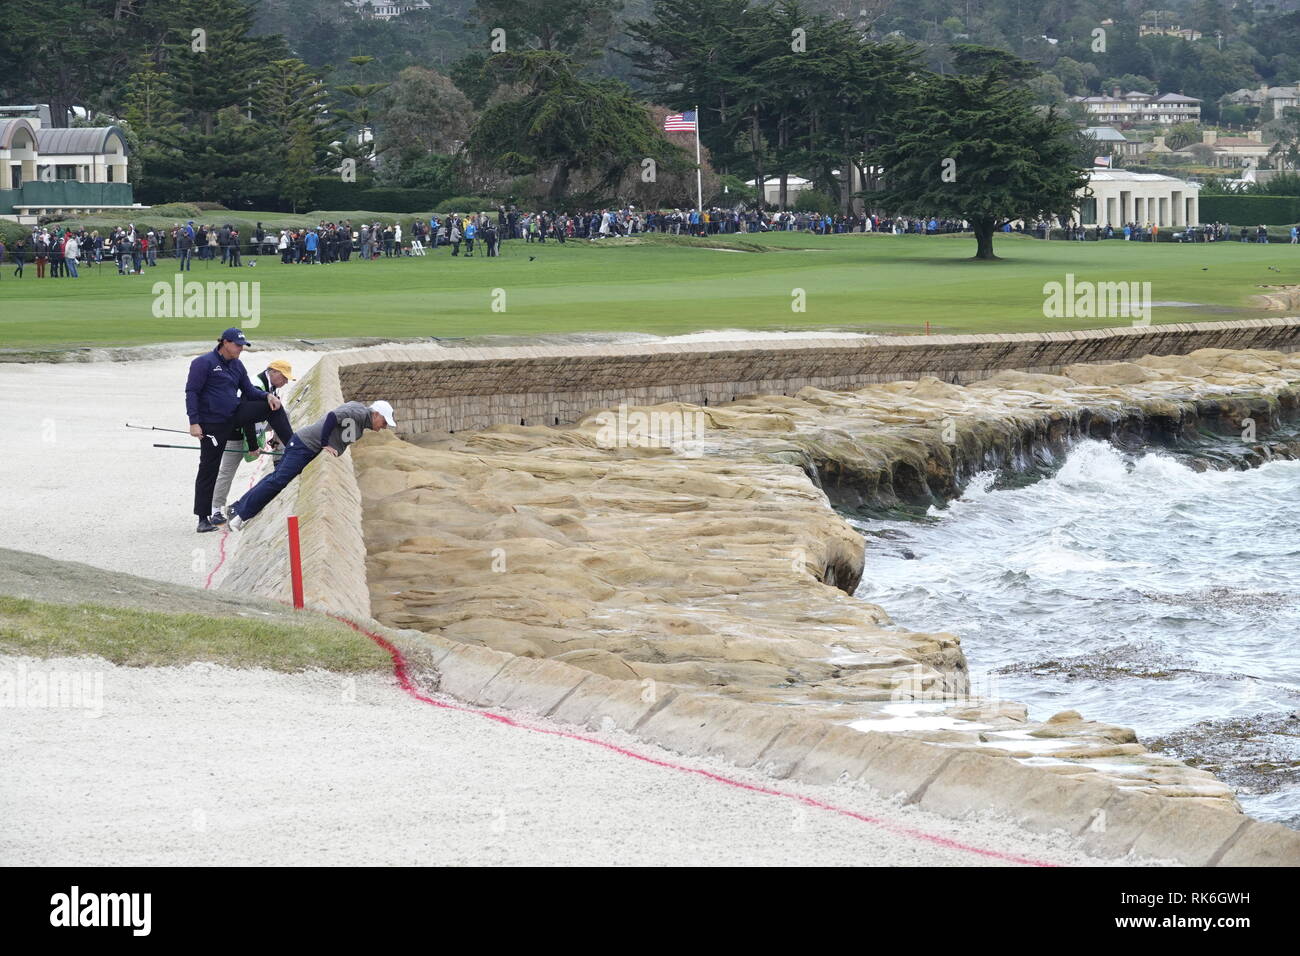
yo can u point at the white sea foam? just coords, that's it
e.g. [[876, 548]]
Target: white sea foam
[[1137, 590]]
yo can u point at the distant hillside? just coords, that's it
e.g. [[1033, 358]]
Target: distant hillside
[[1243, 43]]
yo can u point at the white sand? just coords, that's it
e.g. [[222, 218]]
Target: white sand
[[207, 765], [80, 486]]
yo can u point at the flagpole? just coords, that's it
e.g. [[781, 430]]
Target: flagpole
[[699, 175]]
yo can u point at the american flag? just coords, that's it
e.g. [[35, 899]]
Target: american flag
[[680, 122]]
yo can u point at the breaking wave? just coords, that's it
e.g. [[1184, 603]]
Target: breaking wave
[[1135, 589]]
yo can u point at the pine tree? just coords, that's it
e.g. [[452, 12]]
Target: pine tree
[[214, 151], [220, 67], [577, 27], [290, 105], [359, 143], [779, 84], [298, 166], [231, 165], [691, 52], [149, 103], [150, 111]]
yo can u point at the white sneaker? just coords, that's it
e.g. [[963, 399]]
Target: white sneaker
[[236, 522]]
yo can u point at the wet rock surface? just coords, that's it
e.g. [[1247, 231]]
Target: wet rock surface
[[700, 548], [1136, 660], [1254, 755]]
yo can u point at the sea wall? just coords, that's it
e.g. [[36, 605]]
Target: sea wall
[[436, 389], [327, 502]]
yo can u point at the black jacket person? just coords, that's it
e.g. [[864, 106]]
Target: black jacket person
[[215, 410]]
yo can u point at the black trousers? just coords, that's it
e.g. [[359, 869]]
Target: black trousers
[[213, 445]]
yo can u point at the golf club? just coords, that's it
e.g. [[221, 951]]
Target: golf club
[[228, 451]]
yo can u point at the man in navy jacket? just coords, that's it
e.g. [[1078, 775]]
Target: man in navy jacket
[[220, 398]]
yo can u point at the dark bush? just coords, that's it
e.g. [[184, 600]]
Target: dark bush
[[329, 192], [1251, 210]]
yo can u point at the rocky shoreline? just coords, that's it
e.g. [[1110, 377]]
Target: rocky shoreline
[[714, 561], [1023, 424]]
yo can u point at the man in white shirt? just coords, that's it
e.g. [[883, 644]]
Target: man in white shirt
[[70, 251]]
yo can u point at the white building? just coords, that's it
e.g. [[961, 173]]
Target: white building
[[1117, 196], [386, 9], [1162, 109], [772, 188], [1237, 151], [47, 171], [1147, 30]]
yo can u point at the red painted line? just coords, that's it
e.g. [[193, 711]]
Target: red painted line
[[221, 559], [404, 680]]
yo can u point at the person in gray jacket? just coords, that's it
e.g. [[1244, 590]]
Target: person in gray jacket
[[332, 434]]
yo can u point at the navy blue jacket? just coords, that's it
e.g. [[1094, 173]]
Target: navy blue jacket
[[212, 391]]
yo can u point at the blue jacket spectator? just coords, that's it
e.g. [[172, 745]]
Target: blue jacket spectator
[[212, 391]]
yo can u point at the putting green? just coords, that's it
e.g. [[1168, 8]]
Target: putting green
[[872, 283]]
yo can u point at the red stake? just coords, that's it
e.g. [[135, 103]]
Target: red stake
[[295, 562]]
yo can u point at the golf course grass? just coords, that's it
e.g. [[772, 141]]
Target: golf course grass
[[659, 285]]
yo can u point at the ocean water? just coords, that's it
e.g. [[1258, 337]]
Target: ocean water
[[1131, 588]]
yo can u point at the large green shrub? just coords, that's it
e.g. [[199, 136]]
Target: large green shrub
[[1251, 210], [466, 204], [330, 192], [177, 211], [11, 232]]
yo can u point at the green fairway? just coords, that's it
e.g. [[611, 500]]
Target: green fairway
[[872, 283]]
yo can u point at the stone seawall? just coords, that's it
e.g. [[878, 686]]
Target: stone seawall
[[329, 500], [437, 389]]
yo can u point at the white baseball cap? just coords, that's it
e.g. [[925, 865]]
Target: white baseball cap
[[383, 408]]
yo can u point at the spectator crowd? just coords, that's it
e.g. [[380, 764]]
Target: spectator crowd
[[57, 251]]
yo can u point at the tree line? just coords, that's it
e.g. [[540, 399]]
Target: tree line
[[218, 112]]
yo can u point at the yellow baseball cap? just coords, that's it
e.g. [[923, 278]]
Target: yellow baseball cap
[[283, 367]]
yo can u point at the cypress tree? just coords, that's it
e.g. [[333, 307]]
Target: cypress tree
[[975, 147]]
